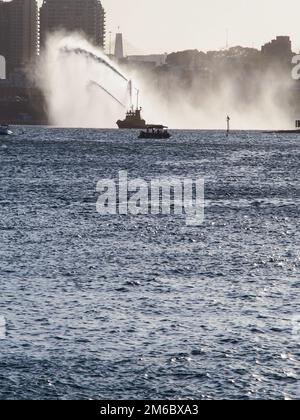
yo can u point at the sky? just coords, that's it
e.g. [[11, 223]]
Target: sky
[[158, 26]]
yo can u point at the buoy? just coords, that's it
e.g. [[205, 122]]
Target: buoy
[[228, 125]]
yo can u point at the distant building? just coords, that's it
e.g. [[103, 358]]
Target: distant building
[[19, 40], [119, 50], [86, 16], [153, 59], [279, 49]]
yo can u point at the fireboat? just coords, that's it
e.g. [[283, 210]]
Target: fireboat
[[133, 119]]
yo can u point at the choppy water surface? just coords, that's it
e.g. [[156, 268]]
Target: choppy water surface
[[146, 307]]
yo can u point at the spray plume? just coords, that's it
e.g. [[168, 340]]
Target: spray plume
[[93, 83], [69, 66], [96, 58]]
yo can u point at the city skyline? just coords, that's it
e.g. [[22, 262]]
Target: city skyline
[[204, 25], [201, 24], [130, 11]]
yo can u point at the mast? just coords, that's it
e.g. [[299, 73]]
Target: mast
[[130, 94]]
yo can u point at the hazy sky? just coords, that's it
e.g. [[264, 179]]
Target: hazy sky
[[170, 25], [151, 26]]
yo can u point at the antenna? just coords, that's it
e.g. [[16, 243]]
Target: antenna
[[227, 39], [130, 93]]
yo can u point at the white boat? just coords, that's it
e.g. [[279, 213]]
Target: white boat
[[5, 131]]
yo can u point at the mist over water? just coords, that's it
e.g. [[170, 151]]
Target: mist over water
[[266, 105], [83, 88]]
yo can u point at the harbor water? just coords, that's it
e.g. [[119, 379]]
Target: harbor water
[[147, 307]]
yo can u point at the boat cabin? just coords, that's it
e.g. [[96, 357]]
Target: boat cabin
[[155, 132]]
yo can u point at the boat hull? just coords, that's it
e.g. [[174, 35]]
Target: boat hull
[[5, 133], [131, 125]]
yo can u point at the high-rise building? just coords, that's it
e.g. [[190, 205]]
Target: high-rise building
[[19, 41], [86, 16]]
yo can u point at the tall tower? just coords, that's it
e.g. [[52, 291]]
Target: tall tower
[[86, 16], [119, 51], [18, 32]]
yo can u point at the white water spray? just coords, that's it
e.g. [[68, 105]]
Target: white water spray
[[82, 87]]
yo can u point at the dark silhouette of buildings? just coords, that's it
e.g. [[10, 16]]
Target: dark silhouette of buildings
[[247, 71], [23, 31], [86, 16], [278, 49], [18, 33]]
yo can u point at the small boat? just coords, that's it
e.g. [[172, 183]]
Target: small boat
[[5, 131], [155, 132]]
